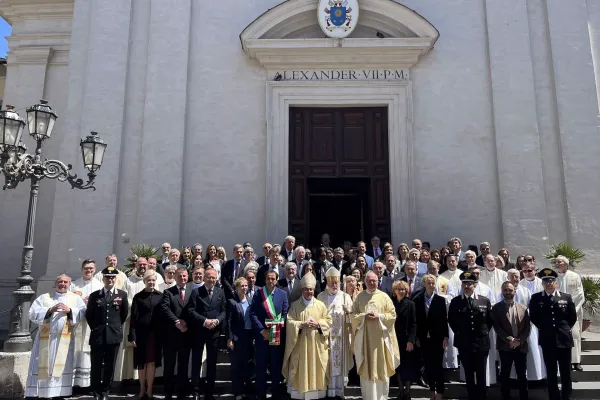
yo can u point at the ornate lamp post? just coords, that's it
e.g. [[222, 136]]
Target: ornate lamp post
[[17, 166]]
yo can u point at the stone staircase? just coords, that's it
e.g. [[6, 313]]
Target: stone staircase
[[586, 384]]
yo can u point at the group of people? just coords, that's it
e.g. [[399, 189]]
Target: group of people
[[309, 326]]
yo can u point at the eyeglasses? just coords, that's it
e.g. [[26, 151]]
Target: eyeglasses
[[529, 259], [525, 271]]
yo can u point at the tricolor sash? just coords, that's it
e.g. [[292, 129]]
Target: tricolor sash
[[274, 322], [64, 341]]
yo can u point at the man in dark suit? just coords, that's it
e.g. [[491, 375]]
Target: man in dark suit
[[264, 259], [272, 264], [206, 312], [554, 314], [250, 276], [299, 260], [177, 343], [338, 260], [106, 312], [232, 270], [470, 318], [432, 332], [485, 250], [290, 284], [268, 312], [415, 284], [288, 249], [512, 326], [373, 249]]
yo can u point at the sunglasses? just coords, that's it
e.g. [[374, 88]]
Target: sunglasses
[[525, 271], [529, 259]]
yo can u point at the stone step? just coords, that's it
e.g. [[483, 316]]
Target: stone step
[[590, 357], [454, 390], [587, 344]]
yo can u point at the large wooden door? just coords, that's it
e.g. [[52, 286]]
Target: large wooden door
[[339, 143]]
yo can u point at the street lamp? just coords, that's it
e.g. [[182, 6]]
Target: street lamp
[[17, 166]]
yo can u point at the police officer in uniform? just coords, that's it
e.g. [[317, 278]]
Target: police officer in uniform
[[470, 318], [554, 314], [106, 312]]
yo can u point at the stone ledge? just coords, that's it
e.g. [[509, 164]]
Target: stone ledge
[[13, 374]]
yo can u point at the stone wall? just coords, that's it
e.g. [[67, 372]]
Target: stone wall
[[504, 123]]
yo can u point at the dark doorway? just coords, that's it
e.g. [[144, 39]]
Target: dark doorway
[[339, 207], [339, 160]]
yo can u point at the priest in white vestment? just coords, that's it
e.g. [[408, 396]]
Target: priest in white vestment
[[536, 368], [481, 289], [452, 274], [339, 305], [83, 287], [492, 276], [112, 261], [570, 282], [375, 343], [53, 354]]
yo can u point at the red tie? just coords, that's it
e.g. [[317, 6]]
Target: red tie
[[181, 294], [409, 286]]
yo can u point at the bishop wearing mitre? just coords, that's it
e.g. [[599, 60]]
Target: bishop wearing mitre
[[375, 344], [339, 305], [51, 364], [306, 355]]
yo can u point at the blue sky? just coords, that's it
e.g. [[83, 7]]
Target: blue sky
[[4, 31]]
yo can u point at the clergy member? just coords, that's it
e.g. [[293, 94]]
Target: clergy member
[[307, 344], [339, 305], [83, 287], [492, 276], [52, 357], [375, 344], [570, 282], [112, 261]]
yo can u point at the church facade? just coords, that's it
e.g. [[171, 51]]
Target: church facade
[[240, 120]]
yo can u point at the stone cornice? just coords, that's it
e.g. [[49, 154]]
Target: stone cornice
[[32, 55], [333, 53], [15, 10], [265, 38]]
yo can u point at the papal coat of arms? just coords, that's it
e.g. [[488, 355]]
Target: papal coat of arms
[[338, 18]]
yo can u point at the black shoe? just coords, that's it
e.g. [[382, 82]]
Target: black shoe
[[422, 383], [577, 367]]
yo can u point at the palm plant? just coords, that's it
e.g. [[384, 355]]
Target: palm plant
[[591, 289], [573, 254], [137, 251]]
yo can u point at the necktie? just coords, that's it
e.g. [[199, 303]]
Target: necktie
[[470, 302], [379, 283], [181, 294], [409, 286], [376, 253], [291, 285], [107, 294], [210, 294]]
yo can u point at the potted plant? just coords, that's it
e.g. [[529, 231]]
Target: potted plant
[[137, 251], [591, 304], [573, 254]]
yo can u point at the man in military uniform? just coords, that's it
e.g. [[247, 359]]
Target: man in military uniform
[[106, 312], [470, 318], [554, 314]]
